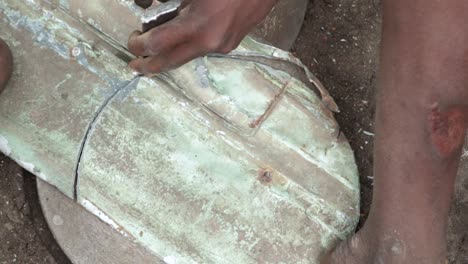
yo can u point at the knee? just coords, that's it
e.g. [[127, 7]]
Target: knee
[[447, 128], [6, 64]]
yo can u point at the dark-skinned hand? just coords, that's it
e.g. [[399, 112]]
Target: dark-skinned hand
[[202, 27]]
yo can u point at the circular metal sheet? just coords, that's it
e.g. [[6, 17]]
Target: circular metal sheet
[[82, 236]]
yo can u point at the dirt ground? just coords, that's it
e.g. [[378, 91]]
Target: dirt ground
[[25, 237], [339, 42]]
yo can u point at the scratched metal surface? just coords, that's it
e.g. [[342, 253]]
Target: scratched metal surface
[[119, 18], [83, 237], [224, 160], [53, 96], [282, 195]]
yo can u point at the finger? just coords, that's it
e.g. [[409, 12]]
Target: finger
[[183, 54], [146, 66], [161, 38], [135, 47], [167, 61]]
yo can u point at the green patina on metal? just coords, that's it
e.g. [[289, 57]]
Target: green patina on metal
[[224, 160]]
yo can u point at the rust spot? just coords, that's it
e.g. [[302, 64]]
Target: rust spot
[[270, 177], [271, 106], [448, 128], [265, 176]]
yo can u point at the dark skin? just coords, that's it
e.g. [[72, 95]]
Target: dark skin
[[421, 120], [6, 64], [203, 27]]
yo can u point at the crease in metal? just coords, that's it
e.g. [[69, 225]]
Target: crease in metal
[[257, 124], [113, 46], [283, 64], [130, 84]]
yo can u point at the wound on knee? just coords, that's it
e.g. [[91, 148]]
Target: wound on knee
[[447, 129]]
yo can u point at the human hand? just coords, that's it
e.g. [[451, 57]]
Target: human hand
[[202, 27]]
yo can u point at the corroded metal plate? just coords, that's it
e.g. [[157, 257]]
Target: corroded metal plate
[[53, 95], [83, 237], [225, 160]]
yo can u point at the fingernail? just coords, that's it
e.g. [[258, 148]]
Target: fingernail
[[136, 73]]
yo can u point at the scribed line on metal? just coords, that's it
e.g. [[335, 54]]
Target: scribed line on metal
[[90, 128]]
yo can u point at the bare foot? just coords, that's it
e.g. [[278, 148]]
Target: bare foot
[[355, 250], [6, 64], [377, 247]]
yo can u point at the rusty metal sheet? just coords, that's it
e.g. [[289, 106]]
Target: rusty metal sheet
[[283, 24], [119, 18], [72, 226], [196, 189], [225, 160], [53, 96]]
